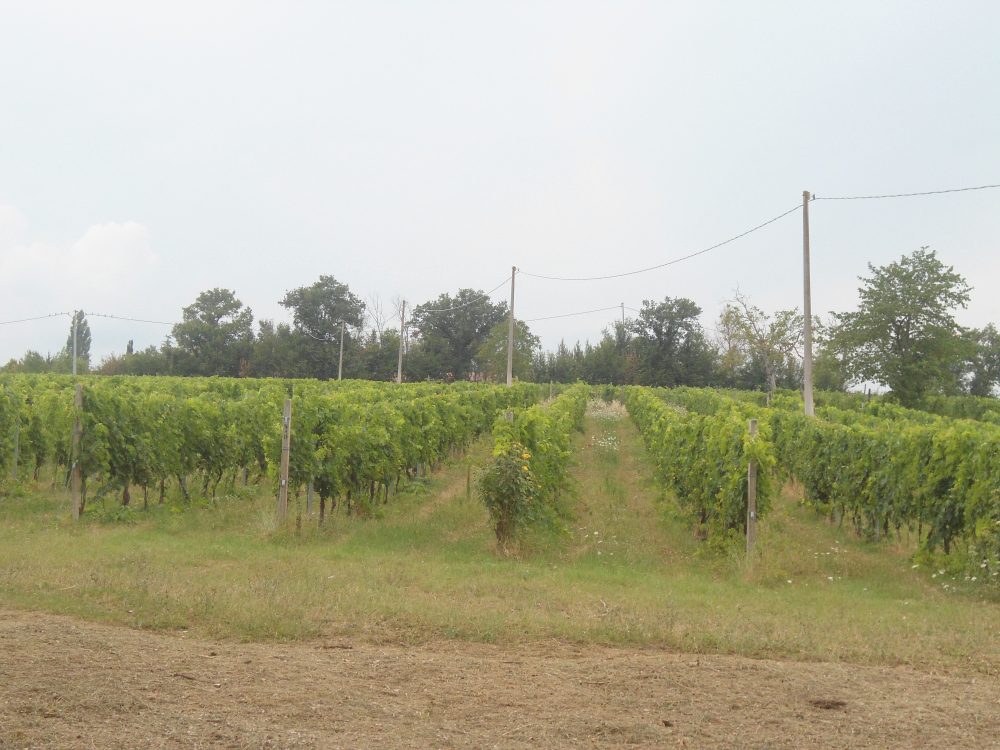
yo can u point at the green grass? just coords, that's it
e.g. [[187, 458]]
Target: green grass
[[626, 570]]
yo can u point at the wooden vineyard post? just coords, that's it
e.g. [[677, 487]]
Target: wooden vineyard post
[[17, 447], [752, 495], [76, 473], [286, 442]]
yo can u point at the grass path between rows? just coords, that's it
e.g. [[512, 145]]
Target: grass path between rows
[[626, 570]]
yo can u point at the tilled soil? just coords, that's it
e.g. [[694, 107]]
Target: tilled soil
[[65, 683]]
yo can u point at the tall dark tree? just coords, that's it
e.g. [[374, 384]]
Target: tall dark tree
[[215, 336], [450, 331], [670, 344], [904, 334], [317, 312], [83, 341], [608, 361], [379, 357], [275, 354]]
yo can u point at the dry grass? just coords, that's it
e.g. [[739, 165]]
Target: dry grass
[[69, 684]]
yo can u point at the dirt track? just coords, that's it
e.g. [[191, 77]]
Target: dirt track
[[71, 684]]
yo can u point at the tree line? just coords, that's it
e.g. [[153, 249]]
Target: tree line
[[902, 336]]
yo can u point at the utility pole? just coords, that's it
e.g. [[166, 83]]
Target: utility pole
[[807, 359], [340, 362], [510, 331], [623, 316], [399, 363], [74, 342]]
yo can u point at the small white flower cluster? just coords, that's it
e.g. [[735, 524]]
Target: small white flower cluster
[[610, 542], [608, 441], [601, 410]]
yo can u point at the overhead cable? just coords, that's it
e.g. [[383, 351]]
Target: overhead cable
[[478, 298], [38, 317], [131, 320], [900, 195], [669, 262], [570, 315]]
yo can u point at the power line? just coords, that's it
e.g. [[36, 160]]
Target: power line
[[669, 262], [131, 320], [570, 315], [468, 304], [38, 317], [902, 195]]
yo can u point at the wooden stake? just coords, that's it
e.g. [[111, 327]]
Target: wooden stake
[[286, 442], [17, 447], [76, 472], [752, 495]]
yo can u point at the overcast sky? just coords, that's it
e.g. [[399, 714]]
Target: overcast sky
[[149, 151]]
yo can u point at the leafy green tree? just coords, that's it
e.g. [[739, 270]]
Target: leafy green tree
[[317, 312], [275, 354], [31, 362], [148, 361], [379, 357], [607, 362], [450, 332], [670, 344], [492, 355], [984, 367], [564, 365], [215, 336], [828, 372], [903, 334], [83, 340], [760, 349]]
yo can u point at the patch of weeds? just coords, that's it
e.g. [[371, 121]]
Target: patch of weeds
[[115, 514]]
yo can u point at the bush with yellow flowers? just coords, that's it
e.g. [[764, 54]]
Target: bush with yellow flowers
[[510, 491]]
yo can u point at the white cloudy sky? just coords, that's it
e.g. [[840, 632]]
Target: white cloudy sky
[[149, 151]]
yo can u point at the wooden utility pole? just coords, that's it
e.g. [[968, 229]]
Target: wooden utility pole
[[74, 342], [510, 331], [76, 472], [286, 443], [340, 362], [399, 363], [752, 495], [807, 358], [623, 316]]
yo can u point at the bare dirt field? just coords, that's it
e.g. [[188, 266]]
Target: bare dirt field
[[66, 683]]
